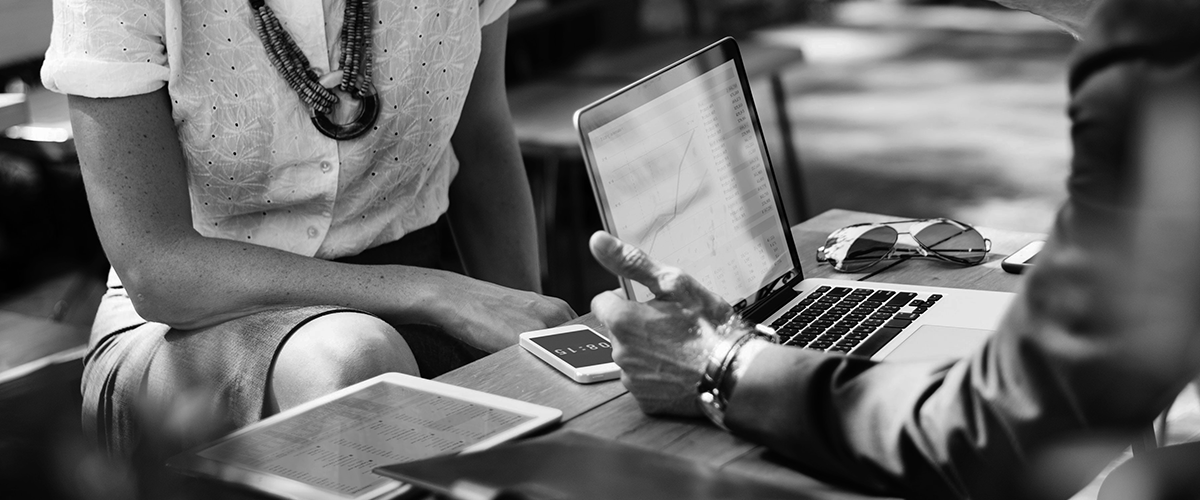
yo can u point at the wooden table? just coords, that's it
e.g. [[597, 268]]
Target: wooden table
[[608, 411]]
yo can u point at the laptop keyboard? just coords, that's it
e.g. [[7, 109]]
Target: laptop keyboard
[[859, 321]]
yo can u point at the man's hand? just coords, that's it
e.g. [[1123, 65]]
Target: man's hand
[[661, 346]]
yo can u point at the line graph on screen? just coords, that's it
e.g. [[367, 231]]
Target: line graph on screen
[[685, 181]]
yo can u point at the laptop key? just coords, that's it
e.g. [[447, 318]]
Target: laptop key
[[799, 341], [875, 342], [902, 299]]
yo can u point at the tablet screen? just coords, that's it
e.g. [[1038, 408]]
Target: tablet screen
[[334, 445]]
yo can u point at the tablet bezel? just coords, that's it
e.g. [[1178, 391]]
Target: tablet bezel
[[191, 462]]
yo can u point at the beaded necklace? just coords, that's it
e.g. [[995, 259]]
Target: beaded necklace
[[320, 92]]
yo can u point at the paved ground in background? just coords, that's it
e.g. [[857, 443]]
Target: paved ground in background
[[933, 111]]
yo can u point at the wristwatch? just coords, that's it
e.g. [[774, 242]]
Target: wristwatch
[[718, 381]]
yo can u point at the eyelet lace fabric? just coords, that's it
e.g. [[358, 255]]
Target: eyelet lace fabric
[[257, 169]]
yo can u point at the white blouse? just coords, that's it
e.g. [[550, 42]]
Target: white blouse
[[258, 171]]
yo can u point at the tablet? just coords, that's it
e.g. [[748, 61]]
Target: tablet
[[327, 448]]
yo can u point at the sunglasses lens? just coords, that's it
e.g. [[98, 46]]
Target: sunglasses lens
[[867, 249], [957, 242]]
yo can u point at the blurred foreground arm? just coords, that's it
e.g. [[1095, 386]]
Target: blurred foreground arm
[[1072, 15]]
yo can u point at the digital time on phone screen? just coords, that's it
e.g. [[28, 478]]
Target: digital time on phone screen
[[578, 348]]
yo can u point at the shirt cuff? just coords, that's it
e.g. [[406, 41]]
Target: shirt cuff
[[102, 79], [491, 10]]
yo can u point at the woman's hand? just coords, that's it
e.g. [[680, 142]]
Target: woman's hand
[[491, 317]]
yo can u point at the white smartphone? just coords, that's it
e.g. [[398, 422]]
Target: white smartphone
[[1022, 259], [576, 350]]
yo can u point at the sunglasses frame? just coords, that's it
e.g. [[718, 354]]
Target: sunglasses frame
[[898, 252]]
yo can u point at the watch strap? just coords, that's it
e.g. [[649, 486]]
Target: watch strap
[[719, 378]]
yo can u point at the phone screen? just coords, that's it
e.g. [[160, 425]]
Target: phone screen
[[579, 348]]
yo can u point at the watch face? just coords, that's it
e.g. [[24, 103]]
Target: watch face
[[580, 348]]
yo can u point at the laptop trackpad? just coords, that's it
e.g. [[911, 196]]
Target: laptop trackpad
[[935, 342]]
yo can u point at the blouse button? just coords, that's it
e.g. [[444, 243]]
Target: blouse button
[[326, 167], [312, 232]]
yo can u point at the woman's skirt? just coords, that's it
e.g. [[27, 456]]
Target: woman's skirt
[[143, 379]]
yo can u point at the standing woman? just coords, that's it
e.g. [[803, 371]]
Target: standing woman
[[267, 179]]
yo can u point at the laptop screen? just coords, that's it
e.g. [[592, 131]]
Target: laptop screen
[[680, 170]]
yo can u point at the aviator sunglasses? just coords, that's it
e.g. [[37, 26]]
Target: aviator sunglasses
[[861, 246]]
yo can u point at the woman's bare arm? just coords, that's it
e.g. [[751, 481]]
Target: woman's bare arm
[[491, 208], [135, 175]]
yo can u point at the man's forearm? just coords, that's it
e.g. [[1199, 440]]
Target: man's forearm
[[1090, 352]]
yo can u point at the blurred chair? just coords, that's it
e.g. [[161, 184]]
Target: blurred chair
[[51, 274], [590, 49]]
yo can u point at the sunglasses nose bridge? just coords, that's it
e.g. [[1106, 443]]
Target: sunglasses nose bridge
[[907, 244]]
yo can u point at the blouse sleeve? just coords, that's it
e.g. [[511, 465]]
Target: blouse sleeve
[[491, 10], [106, 48]]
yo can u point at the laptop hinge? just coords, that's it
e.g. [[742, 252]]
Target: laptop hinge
[[763, 309]]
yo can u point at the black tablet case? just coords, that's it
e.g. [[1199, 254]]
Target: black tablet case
[[573, 465]]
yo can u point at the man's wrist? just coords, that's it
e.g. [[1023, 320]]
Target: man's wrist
[[726, 362]]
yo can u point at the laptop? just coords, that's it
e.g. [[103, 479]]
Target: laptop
[[679, 167]]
